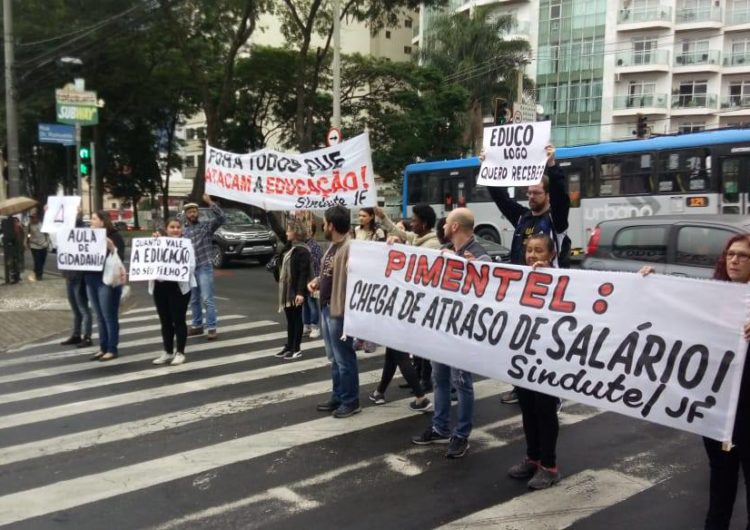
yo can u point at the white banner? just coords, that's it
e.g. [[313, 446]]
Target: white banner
[[337, 175], [664, 349], [81, 249], [514, 155], [161, 258], [61, 213]]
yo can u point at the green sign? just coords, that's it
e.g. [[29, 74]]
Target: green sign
[[77, 114]]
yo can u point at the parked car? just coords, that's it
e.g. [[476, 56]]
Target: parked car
[[497, 252], [681, 245], [241, 237]]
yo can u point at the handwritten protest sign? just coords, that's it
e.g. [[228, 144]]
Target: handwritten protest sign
[[61, 213], [161, 258], [514, 155], [337, 175], [668, 350], [81, 249]]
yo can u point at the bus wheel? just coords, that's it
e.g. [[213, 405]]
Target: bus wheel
[[487, 232]]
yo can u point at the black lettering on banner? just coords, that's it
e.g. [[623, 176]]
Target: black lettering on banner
[[533, 335], [521, 332], [700, 371]]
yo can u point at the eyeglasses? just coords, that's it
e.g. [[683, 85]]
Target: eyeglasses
[[741, 256], [536, 192]]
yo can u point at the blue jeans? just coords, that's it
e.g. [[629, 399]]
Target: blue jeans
[[79, 303], [106, 303], [443, 376], [203, 295], [344, 369], [310, 312]]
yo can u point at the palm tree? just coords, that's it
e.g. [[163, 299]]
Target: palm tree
[[471, 51]]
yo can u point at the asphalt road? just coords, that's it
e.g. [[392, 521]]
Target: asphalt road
[[232, 439]]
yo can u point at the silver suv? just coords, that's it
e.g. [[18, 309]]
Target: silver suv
[[681, 245]]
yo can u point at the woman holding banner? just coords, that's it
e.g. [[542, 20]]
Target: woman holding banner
[[105, 299], [171, 300], [368, 230], [725, 462]]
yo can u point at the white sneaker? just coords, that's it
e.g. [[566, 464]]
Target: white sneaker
[[315, 332], [178, 359], [165, 358], [306, 331]]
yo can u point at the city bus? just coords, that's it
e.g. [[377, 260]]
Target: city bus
[[695, 173]]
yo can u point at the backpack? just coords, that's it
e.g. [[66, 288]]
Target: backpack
[[562, 242]]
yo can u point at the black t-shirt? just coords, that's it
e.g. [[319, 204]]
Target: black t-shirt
[[326, 275]]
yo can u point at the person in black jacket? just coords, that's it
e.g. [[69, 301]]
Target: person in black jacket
[[295, 272], [547, 213]]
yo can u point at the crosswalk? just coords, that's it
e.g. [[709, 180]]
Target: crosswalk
[[231, 439]]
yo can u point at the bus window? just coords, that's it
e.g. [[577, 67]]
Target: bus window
[[625, 175], [424, 187], [574, 189], [684, 171]]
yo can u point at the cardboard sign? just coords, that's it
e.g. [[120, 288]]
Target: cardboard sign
[[81, 249], [514, 155], [161, 258], [61, 213]]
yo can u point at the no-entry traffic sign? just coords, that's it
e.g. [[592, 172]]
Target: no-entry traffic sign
[[334, 136]]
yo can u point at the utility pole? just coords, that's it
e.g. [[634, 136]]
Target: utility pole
[[11, 118], [336, 120], [79, 181]]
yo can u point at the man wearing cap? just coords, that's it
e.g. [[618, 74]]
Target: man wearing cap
[[201, 234]]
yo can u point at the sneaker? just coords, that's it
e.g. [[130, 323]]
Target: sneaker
[[377, 398], [454, 395], [544, 478], [430, 437], [292, 355], [457, 447], [75, 339], [306, 331], [328, 406], [282, 353], [212, 335], [370, 348], [194, 332], [179, 358], [345, 411], [509, 398], [358, 345], [164, 358], [85, 342], [422, 406], [525, 469], [315, 332]]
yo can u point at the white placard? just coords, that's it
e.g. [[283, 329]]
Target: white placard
[[337, 175], [61, 213], [81, 249], [161, 258], [514, 155], [664, 349]]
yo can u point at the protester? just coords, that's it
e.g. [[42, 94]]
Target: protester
[[368, 230], [423, 235], [459, 230], [38, 242], [538, 410], [201, 234], [78, 300], [725, 463], [547, 213], [295, 275], [331, 284], [311, 309], [171, 299], [104, 298], [19, 247]]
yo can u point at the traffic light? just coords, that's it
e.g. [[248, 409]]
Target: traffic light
[[502, 111], [641, 128], [85, 155]]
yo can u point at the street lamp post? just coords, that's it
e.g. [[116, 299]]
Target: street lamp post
[[11, 118], [336, 120]]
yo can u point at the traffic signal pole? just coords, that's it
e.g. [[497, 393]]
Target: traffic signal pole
[[11, 116], [78, 159]]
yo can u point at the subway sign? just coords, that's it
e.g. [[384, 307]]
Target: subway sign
[[77, 114]]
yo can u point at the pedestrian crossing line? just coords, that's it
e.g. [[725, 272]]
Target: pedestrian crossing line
[[148, 394], [57, 496], [156, 339], [157, 326], [164, 422], [141, 375], [140, 357]]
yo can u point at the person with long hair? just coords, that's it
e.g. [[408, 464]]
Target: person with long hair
[[311, 309], [171, 299], [368, 230], [732, 266], [105, 299]]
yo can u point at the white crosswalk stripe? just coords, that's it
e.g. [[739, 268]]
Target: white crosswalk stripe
[[129, 401]]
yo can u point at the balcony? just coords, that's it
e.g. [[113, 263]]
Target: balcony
[[737, 19], [644, 18], [693, 104], [700, 61], [642, 61], [688, 18], [735, 105], [630, 105], [521, 29], [737, 62]]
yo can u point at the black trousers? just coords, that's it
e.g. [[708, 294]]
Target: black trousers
[[725, 471], [394, 358], [294, 328], [40, 256], [424, 371], [539, 413], [172, 306]]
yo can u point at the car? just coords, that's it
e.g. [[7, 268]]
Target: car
[[240, 237], [497, 252], [680, 245]]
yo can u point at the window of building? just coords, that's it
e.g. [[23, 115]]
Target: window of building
[[407, 23], [555, 9], [114, 205], [387, 34], [700, 245], [191, 161], [692, 94], [740, 53], [739, 93], [625, 175], [691, 127], [641, 243], [190, 134], [643, 48], [693, 52], [684, 171], [641, 94], [407, 50]]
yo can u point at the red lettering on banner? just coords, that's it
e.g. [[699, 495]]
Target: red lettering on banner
[[536, 286], [558, 298], [454, 271], [426, 274], [477, 278], [396, 262], [350, 181], [506, 277], [363, 173]]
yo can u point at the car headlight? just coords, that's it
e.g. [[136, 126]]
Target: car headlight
[[227, 235]]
